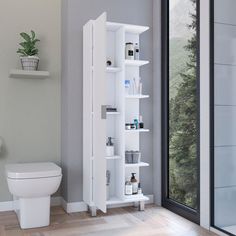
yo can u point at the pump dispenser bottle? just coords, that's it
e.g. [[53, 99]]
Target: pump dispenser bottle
[[110, 147], [134, 183]]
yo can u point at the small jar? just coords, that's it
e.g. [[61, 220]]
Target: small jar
[[133, 126], [129, 51], [128, 126]]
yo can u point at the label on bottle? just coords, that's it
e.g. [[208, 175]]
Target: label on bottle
[[134, 187], [130, 53], [128, 189]]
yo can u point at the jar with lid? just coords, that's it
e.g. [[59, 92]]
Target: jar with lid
[[129, 51]]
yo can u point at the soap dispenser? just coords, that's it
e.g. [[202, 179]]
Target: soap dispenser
[[134, 183], [110, 147]]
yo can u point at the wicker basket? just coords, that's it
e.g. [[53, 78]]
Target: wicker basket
[[29, 63]]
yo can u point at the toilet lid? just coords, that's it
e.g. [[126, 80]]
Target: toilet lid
[[32, 170]]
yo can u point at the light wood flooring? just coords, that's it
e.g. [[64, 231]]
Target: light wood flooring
[[120, 221]]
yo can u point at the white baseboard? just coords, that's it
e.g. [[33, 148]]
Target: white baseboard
[[69, 207], [8, 206]]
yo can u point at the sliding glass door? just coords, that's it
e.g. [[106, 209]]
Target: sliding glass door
[[181, 108], [223, 115]]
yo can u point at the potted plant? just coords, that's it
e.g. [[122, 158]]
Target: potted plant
[[28, 52]]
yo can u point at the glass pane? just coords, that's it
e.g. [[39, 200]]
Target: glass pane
[[183, 168], [225, 115]]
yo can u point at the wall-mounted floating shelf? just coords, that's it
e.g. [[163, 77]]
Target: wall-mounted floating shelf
[[137, 96], [27, 74], [140, 164], [136, 62], [113, 69]]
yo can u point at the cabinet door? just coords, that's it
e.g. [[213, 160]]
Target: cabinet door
[[99, 119]]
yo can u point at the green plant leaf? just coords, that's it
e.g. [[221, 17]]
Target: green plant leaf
[[25, 36], [33, 34]]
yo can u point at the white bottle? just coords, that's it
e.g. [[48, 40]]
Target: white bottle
[[136, 52], [128, 188], [129, 51]]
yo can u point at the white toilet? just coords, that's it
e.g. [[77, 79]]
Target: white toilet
[[31, 185]]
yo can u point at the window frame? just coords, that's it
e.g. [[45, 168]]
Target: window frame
[[178, 208]]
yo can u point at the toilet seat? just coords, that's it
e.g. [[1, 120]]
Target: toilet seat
[[33, 170]]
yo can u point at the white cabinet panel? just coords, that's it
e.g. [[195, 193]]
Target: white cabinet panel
[[225, 11], [225, 166], [99, 122], [225, 125], [87, 112], [225, 44], [225, 85]]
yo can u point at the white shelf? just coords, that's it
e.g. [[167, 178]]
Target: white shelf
[[127, 199], [113, 157], [28, 74], [136, 130], [113, 113], [137, 96], [113, 69], [136, 62], [133, 29], [140, 164]]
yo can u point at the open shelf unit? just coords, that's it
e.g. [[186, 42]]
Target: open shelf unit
[[105, 86]]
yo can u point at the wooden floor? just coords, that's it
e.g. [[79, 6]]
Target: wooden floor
[[121, 221]]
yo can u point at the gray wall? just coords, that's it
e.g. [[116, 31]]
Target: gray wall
[[75, 13], [29, 108]]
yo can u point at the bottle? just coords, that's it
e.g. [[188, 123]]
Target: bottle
[[136, 51], [141, 124], [128, 188], [110, 147], [139, 189], [134, 183], [136, 123], [129, 51], [127, 87], [108, 181]]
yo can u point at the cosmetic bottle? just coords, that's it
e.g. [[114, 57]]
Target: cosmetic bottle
[[129, 51], [110, 147], [108, 180], [136, 123], [128, 188], [136, 51], [141, 124], [139, 189], [134, 183]]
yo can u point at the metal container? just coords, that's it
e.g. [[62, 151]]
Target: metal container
[[136, 157], [129, 157]]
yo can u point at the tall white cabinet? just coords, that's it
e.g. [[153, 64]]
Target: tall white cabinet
[[104, 86]]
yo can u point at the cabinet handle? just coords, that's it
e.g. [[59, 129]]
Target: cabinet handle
[[103, 112]]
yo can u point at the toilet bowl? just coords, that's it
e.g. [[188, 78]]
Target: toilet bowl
[[31, 185]]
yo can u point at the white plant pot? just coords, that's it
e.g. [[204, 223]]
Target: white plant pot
[[29, 62]]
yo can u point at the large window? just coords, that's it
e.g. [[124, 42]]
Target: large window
[[181, 108]]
